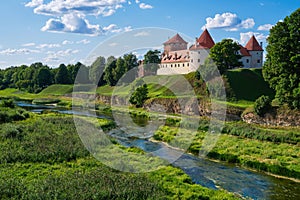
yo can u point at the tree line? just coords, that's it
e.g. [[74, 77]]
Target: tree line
[[38, 76]]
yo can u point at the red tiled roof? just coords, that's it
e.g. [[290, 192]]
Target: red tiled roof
[[253, 45], [176, 39], [176, 57], [244, 51], [205, 41]]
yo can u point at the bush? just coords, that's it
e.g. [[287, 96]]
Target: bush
[[7, 103], [262, 105]]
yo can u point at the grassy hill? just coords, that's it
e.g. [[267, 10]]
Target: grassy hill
[[57, 90], [248, 84]]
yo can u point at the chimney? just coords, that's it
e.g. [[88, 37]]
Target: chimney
[[196, 42]]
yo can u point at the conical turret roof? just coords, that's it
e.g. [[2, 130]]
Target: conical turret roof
[[176, 39], [253, 45]]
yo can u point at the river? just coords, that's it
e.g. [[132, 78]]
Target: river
[[214, 175]]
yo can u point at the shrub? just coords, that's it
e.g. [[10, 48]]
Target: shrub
[[7, 103], [262, 105]]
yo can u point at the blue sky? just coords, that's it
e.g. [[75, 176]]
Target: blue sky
[[66, 31]]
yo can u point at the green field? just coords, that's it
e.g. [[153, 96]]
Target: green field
[[57, 90], [248, 84], [42, 157]]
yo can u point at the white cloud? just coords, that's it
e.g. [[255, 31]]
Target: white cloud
[[142, 34], [113, 28], [265, 27], [228, 21], [49, 46], [84, 41], [137, 1], [70, 16], [72, 23], [59, 55], [86, 7], [113, 44], [245, 37], [10, 52], [67, 42], [28, 45], [145, 6], [34, 3]]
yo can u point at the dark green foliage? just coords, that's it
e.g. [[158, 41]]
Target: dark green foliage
[[9, 103], [115, 69], [225, 55], [12, 114], [109, 71], [63, 76], [248, 84], [282, 66], [44, 78], [151, 60], [96, 71], [79, 72], [262, 105], [139, 96]]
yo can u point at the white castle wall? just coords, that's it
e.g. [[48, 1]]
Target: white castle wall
[[256, 59], [246, 60], [197, 58], [174, 68]]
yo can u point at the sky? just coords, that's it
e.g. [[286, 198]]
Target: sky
[[67, 31]]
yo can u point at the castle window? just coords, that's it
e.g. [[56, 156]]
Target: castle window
[[183, 65], [247, 60], [192, 60], [171, 65], [198, 60], [198, 52], [188, 64], [258, 61]]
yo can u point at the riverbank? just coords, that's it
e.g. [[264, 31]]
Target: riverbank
[[43, 157]]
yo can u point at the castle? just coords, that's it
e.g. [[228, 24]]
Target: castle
[[177, 58]]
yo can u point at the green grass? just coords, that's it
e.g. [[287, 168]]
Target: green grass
[[57, 90], [274, 157], [44, 158], [15, 93], [248, 84]]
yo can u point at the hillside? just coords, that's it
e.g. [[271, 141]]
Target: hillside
[[248, 84]]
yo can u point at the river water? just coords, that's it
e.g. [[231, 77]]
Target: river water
[[207, 173]]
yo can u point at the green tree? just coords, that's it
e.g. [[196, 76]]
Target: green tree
[[226, 55], [110, 70], [139, 96], [282, 67], [62, 76], [44, 78], [151, 60], [262, 105], [120, 69], [96, 71]]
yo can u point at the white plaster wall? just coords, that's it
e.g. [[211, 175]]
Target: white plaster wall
[[166, 69], [195, 55], [256, 55], [244, 61]]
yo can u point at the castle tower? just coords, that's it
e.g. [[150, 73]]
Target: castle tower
[[200, 50], [176, 43], [256, 52]]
